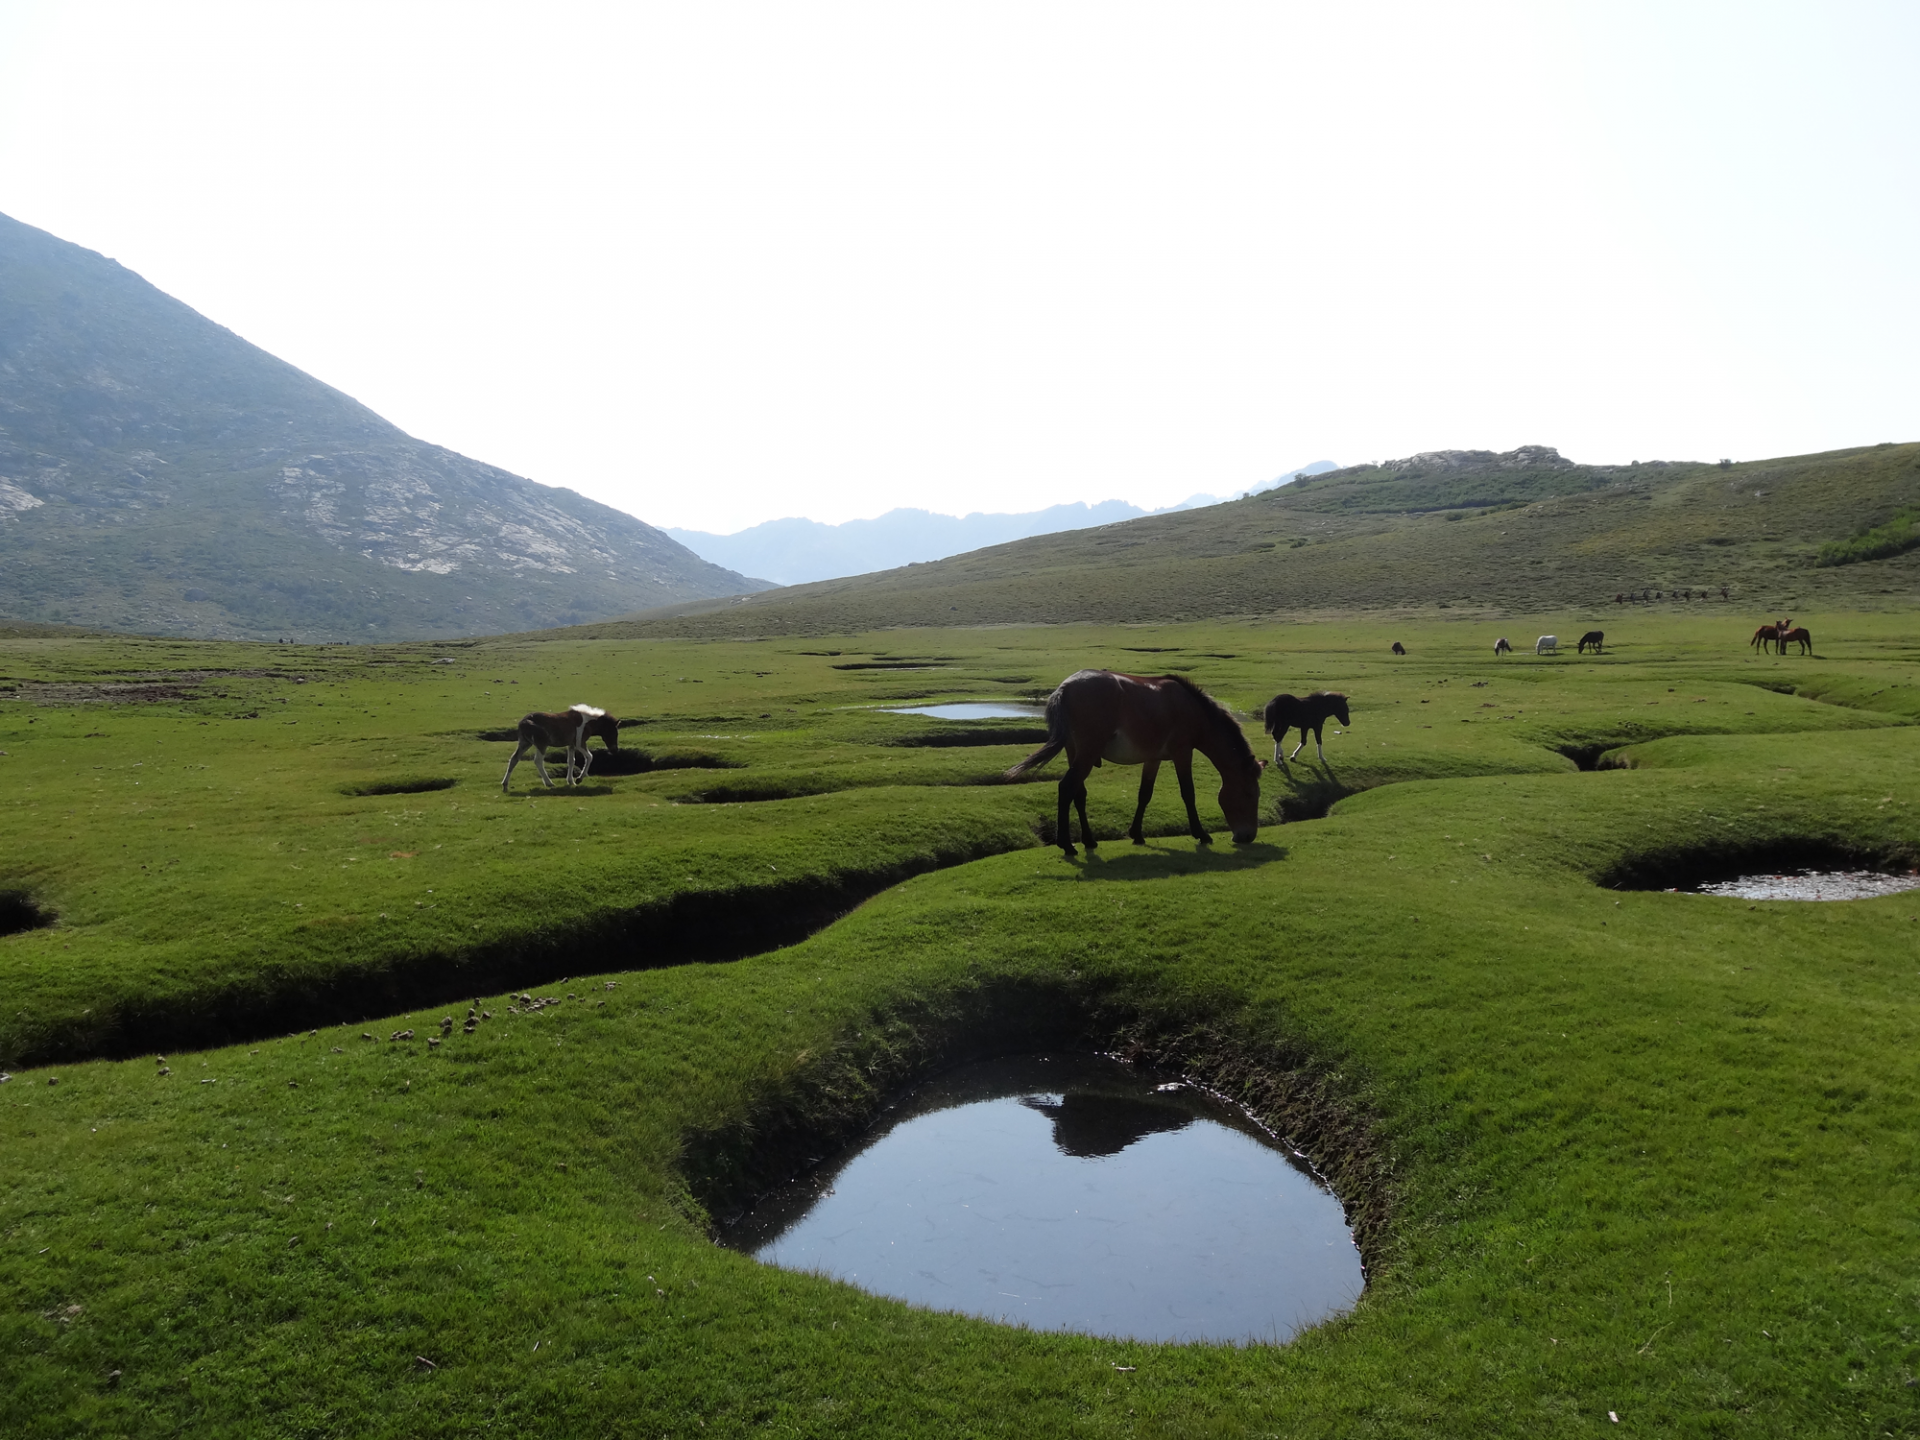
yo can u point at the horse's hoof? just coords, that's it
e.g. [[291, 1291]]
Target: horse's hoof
[[1139, 839], [1090, 844], [1068, 852]]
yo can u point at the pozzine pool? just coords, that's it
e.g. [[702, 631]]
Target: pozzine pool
[[1072, 1192]]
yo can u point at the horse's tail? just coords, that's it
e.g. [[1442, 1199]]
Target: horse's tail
[[1056, 739]]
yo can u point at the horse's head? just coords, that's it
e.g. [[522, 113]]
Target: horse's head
[[1337, 706], [608, 729], [1240, 801]]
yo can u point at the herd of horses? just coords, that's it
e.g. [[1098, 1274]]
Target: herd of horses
[[1099, 715]]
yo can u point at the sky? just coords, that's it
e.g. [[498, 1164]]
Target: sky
[[722, 263]]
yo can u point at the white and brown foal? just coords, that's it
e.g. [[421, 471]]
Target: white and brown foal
[[571, 728]]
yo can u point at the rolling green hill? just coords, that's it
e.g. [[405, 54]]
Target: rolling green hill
[[160, 474], [1524, 531]]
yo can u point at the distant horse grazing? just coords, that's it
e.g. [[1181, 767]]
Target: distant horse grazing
[[1765, 638], [571, 728], [1595, 638], [1098, 715], [1501, 647], [1283, 712], [1398, 648], [1800, 636], [1547, 645]]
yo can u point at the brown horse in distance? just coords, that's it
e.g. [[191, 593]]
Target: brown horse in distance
[[1098, 715], [1765, 638], [1798, 635], [571, 728]]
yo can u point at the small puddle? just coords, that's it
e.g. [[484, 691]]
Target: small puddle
[[1808, 885], [1072, 1192], [971, 710]]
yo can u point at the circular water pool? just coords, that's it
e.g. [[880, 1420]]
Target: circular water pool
[[1071, 1192]]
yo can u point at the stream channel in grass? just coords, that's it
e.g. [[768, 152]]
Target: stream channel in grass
[[1072, 1192]]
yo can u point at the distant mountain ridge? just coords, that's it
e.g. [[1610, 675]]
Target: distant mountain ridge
[[794, 551], [159, 473]]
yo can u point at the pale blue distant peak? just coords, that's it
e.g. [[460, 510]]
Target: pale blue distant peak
[[794, 551]]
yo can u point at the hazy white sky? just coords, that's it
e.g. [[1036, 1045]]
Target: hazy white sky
[[719, 263]]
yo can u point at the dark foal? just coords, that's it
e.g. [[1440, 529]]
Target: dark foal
[[1098, 715], [571, 728], [1284, 712]]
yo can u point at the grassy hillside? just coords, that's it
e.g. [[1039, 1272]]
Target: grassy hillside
[[159, 474], [1492, 534], [1604, 1150]]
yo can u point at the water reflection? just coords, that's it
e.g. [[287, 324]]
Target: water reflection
[[1072, 1193], [1810, 885], [970, 710]]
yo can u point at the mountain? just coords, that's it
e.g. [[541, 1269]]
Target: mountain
[[794, 551], [1525, 531], [158, 473]]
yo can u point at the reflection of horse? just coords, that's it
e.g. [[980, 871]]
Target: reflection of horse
[[1800, 636], [1501, 647], [1595, 638], [571, 728], [1284, 712], [1765, 638], [1098, 715], [1398, 648]]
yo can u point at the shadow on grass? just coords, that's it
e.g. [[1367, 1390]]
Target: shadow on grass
[[1311, 791], [1152, 863], [18, 913]]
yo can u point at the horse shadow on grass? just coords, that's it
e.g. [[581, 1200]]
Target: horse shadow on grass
[[1311, 791], [1151, 863], [562, 792]]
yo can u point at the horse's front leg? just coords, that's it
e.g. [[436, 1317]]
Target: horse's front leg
[[1301, 746], [1148, 773], [1183, 769], [1318, 748]]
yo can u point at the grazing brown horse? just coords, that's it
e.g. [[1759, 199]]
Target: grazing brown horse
[[1398, 648], [1800, 636], [1283, 712], [1501, 647], [1098, 715], [571, 728], [1765, 638], [1595, 638]]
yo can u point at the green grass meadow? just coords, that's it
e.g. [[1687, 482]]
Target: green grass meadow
[[1607, 1151]]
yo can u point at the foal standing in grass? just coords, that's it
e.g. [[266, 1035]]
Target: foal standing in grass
[[1284, 712], [1142, 720], [571, 728]]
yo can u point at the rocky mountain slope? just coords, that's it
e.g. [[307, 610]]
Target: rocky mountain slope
[[1528, 530], [158, 473]]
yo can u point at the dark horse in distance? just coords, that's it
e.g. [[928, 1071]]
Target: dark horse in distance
[[1284, 712], [1098, 715]]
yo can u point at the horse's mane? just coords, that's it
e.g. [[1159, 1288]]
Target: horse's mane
[[1220, 718], [592, 712]]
